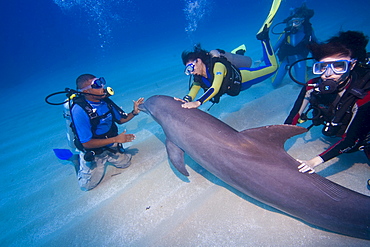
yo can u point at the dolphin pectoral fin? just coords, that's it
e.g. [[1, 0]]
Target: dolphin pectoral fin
[[275, 134], [176, 156]]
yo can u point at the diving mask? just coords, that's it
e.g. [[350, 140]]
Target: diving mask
[[96, 84], [296, 22], [189, 68], [338, 67]]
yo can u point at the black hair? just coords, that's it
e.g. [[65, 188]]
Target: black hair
[[356, 42], [82, 79], [198, 52], [301, 12], [304, 12], [349, 43]]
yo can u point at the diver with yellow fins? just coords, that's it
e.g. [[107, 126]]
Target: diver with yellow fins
[[216, 75]]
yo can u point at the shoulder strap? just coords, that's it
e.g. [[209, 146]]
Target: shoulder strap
[[366, 80], [355, 92], [361, 85], [93, 115], [81, 101], [112, 105]]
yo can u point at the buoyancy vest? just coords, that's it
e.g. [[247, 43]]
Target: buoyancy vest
[[287, 49], [95, 120], [231, 83], [336, 111]]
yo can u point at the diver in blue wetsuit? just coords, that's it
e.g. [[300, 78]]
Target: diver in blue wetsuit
[[292, 44]]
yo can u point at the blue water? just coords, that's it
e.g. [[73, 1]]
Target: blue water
[[62, 33], [136, 45]]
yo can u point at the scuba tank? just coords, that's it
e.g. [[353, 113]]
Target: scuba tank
[[236, 59], [68, 119], [239, 61]]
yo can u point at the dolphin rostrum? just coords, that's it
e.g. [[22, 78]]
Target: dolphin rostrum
[[254, 162]]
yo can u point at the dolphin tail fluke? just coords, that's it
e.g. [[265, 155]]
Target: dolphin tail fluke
[[276, 134], [176, 156]]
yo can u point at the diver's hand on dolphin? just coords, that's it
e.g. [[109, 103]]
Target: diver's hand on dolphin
[[123, 137], [309, 165], [190, 105], [303, 167], [178, 99], [136, 109]]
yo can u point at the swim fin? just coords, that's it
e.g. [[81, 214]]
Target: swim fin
[[266, 25], [239, 50], [63, 154]]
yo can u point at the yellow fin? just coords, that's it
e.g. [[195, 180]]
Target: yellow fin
[[274, 8], [240, 47]]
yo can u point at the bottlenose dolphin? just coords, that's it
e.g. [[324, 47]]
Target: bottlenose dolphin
[[254, 162]]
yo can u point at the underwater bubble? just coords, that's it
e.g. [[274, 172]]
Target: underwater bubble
[[101, 13], [194, 11]]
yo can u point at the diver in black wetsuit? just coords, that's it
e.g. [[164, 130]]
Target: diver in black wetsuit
[[340, 98]]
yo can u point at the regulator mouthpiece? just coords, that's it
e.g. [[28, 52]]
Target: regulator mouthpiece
[[328, 86], [109, 91]]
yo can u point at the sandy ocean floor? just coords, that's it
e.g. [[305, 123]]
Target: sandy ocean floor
[[150, 203]]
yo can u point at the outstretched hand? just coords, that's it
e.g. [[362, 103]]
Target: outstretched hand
[[188, 105], [136, 105], [123, 137]]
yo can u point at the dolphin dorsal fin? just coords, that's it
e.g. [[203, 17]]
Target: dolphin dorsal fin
[[277, 134]]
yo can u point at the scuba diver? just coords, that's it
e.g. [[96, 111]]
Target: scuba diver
[[339, 99], [93, 117], [216, 75], [292, 44]]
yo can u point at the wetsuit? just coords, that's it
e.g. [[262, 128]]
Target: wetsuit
[[353, 110], [91, 172], [355, 134], [250, 76], [291, 47]]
